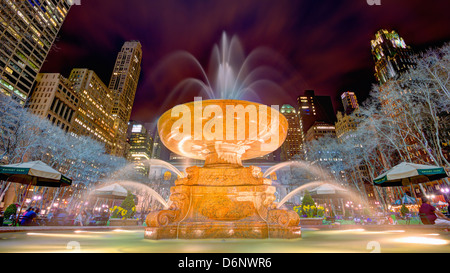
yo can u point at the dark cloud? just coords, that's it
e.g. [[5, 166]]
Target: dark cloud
[[325, 43]]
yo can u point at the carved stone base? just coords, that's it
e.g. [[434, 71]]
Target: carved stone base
[[240, 230], [222, 203]]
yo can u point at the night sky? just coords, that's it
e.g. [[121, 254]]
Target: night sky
[[325, 44]]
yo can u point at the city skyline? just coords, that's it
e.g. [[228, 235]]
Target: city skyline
[[340, 32]]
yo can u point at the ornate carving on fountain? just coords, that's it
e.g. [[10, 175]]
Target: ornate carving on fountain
[[223, 176], [285, 218], [161, 218], [222, 208]]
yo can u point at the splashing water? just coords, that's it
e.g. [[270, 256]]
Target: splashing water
[[147, 189], [233, 75], [302, 164], [140, 187], [166, 164], [148, 163], [297, 190]]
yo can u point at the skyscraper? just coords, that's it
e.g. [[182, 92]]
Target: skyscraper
[[53, 98], [291, 146], [94, 117], [123, 84], [314, 108], [349, 101], [140, 146], [27, 32], [347, 121], [391, 55]]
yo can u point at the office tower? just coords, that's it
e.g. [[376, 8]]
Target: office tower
[[347, 121], [320, 129], [94, 117], [123, 84], [140, 149], [27, 32], [314, 108], [292, 144], [53, 98], [349, 101], [391, 55]]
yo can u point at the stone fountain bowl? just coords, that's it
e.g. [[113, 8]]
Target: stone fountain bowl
[[222, 131]]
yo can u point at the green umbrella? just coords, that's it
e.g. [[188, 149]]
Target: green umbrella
[[33, 173], [405, 174]]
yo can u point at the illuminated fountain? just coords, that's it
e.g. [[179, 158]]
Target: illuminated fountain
[[223, 199]]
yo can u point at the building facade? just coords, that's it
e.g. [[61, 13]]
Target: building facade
[[349, 101], [314, 108], [27, 32], [123, 84], [391, 55], [347, 121], [94, 117], [53, 98], [140, 147], [320, 129], [346, 124], [291, 146]]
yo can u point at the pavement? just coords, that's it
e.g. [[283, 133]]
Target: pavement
[[61, 228]]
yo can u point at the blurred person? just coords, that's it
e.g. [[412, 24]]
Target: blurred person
[[28, 218], [430, 215], [80, 218]]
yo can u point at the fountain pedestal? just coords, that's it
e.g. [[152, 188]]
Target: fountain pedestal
[[222, 203]]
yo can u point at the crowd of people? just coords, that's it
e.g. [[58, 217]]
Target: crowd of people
[[59, 217]]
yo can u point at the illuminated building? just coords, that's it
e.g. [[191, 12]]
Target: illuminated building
[[140, 149], [391, 55], [346, 124], [326, 157], [94, 117], [349, 101], [292, 144], [314, 108], [347, 121], [320, 129], [27, 32], [53, 98], [123, 84]]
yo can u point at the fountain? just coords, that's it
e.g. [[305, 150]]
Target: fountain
[[223, 199]]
